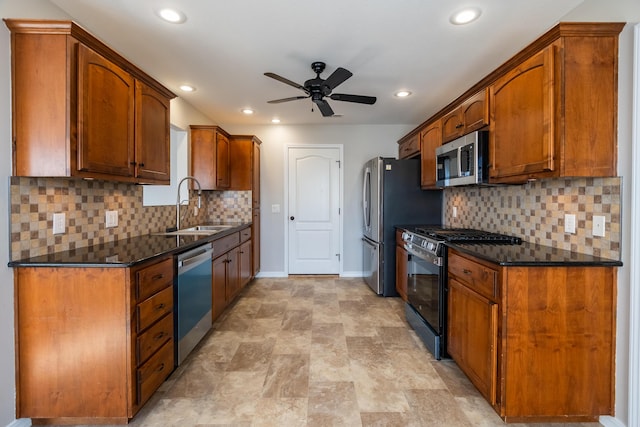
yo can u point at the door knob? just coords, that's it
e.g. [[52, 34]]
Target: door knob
[[292, 218]]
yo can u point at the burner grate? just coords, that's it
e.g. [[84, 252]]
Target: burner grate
[[467, 235]]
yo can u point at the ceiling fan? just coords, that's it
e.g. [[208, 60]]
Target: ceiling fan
[[318, 88]]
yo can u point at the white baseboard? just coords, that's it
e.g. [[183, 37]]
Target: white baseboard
[[608, 421], [351, 274], [21, 422], [271, 274]]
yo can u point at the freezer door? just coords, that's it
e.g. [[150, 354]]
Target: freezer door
[[371, 208], [371, 264]]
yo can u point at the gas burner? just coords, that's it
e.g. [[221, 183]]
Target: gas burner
[[466, 235]]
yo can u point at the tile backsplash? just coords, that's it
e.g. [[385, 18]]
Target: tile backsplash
[[535, 212], [35, 200]]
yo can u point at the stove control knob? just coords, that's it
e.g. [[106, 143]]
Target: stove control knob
[[431, 246], [405, 235]]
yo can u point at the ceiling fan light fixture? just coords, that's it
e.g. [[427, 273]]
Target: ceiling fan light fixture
[[402, 94], [247, 111], [173, 16], [465, 16], [187, 88]]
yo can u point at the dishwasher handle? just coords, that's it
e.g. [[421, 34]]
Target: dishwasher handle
[[188, 260]]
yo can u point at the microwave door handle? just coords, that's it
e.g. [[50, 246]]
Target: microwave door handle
[[459, 160]]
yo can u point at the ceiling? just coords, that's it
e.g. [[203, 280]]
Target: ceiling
[[225, 47]]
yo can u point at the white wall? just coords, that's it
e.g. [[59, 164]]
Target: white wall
[[360, 144]]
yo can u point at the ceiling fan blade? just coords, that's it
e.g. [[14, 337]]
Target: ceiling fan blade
[[293, 98], [324, 107], [337, 77], [360, 99], [285, 81]]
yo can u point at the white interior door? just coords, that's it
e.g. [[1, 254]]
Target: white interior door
[[314, 210]]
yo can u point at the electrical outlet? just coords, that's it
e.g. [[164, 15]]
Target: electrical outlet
[[569, 223], [598, 225], [59, 223], [111, 219], [454, 211]]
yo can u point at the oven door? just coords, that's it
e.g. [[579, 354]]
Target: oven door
[[425, 295]]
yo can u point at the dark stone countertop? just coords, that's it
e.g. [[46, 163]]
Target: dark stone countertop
[[531, 254], [125, 252]]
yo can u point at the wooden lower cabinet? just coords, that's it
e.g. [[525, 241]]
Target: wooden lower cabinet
[[231, 268], [92, 344], [401, 266], [537, 341]]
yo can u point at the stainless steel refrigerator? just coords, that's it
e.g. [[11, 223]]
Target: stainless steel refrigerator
[[392, 196]]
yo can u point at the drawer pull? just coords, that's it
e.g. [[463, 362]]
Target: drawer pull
[[465, 271], [158, 276], [160, 368], [159, 336], [160, 306]]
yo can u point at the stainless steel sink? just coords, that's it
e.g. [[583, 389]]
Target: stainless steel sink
[[198, 230]]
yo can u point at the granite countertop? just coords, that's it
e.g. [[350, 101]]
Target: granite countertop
[[531, 254], [125, 252]]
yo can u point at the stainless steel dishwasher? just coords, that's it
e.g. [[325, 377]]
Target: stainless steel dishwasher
[[193, 296]]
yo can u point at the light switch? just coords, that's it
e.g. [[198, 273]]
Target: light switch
[[275, 208], [59, 223], [569, 223], [111, 219], [598, 225]]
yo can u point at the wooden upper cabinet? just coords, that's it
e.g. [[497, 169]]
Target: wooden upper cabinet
[[153, 158], [210, 154], [245, 165], [554, 113], [472, 114], [409, 147], [431, 137], [106, 116], [255, 176], [82, 110]]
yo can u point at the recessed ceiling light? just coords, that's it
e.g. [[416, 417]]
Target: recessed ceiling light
[[187, 88], [465, 16], [171, 15], [402, 93], [247, 111], [275, 121]]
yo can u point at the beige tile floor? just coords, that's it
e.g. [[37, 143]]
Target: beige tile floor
[[316, 351]]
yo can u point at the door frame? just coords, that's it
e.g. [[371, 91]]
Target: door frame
[[287, 148]]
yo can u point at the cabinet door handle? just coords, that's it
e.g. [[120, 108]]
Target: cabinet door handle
[[141, 165], [459, 125], [465, 271], [158, 276]]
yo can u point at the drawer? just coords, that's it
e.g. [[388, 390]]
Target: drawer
[[223, 245], [151, 279], [245, 234], [154, 308], [153, 338], [155, 371], [476, 276]]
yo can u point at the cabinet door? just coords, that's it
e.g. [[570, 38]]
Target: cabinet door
[[219, 285], [521, 130], [409, 147], [105, 138], [245, 263], [233, 273], [401, 271], [203, 157], [472, 337], [475, 112], [223, 176], [152, 156], [452, 125], [255, 176], [255, 242], [431, 139]]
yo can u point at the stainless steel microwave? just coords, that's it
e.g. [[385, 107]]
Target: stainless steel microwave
[[463, 161]]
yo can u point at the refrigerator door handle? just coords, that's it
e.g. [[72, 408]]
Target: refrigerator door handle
[[366, 198]]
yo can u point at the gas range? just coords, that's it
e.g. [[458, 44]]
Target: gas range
[[431, 239]]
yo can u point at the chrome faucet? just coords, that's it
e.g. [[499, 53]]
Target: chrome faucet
[[178, 198]]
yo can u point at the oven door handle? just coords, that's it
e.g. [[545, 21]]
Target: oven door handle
[[433, 259]]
